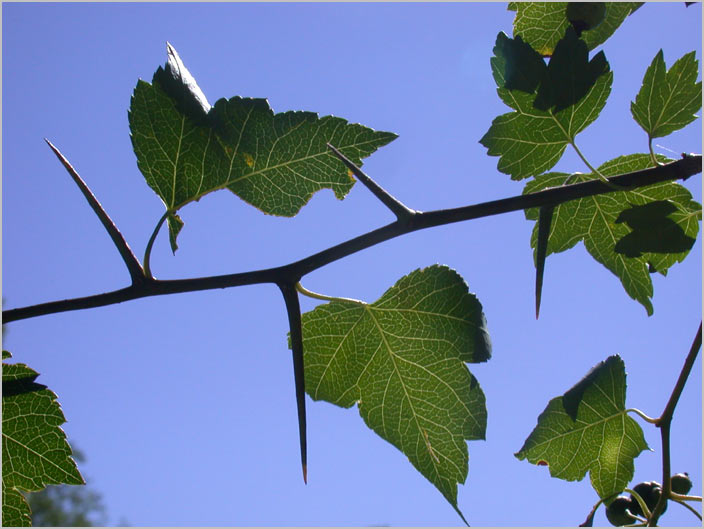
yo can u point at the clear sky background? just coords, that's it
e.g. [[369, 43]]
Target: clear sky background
[[184, 405]]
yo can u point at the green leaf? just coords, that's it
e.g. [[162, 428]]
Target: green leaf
[[552, 103], [602, 222], [276, 162], [589, 421], [543, 24], [668, 100], [402, 360], [15, 509], [34, 448]]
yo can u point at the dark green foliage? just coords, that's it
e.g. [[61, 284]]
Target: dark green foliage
[[34, 448], [67, 505], [589, 419], [402, 360]]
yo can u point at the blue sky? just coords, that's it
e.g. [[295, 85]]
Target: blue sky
[[184, 405]]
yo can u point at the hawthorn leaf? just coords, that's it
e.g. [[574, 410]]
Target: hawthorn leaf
[[668, 100], [612, 225], [179, 84], [35, 452], [588, 430], [552, 104], [402, 360], [543, 24], [276, 162]]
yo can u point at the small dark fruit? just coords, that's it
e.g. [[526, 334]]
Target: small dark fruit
[[619, 511], [680, 483], [650, 492]]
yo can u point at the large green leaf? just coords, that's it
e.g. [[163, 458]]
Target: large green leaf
[[587, 429], [668, 100], [552, 103], [34, 448], [185, 148], [402, 360], [613, 228], [543, 24]]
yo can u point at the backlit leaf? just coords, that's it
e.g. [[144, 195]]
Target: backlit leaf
[[186, 149], [601, 221], [543, 24], [35, 452], [552, 104], [402, 360], [668, 100], [588, 430]]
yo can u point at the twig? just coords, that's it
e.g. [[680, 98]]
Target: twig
[[293, 309], [664, 422], [133, 265], [397, 208], [680, 169]]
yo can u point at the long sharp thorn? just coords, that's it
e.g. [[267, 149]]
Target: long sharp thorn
[[294, 318], [544, 221]]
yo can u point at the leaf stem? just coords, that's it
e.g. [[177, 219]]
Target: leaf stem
[[653, 158], [685, 504], [300, 288], [684, 497], [641, 502], [150, 243], [643, 416], [402, 212], [595, 171], [133, 266]]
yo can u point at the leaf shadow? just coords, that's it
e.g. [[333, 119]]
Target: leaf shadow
[[653, 231]]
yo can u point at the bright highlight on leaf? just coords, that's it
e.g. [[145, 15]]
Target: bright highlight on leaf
[[601, 221], [186, 149], [402, 360], [34, 448], [588, 430], [668, 100], [552, 104]]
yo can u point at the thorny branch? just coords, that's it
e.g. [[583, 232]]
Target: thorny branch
[[680, 169]]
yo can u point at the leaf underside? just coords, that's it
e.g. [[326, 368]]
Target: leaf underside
[[598, 221], [35, 452], [186, 149], [668, 100], [552, 103], [588, 430], [543, 24], [402, 360]]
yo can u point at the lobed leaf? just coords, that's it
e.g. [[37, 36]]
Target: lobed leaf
[[543, 24], [588, 430], [402, 360], [668, 100], [552, 104], [35, 452], [276, 162], [618, 243]]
